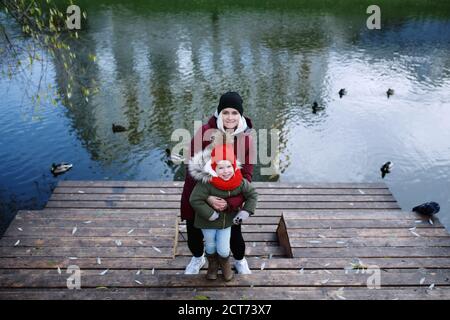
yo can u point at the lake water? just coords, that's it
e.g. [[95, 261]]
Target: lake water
[[161, 66]]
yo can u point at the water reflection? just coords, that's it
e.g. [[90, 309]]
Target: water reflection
[[159, 70]]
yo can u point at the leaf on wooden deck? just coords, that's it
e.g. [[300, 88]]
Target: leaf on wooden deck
[[130, 232], [87, 222], [138, 272], [156, 249], [20, 229], [415, 233], [138, 282], [104, 272], [263, 265], [59, 270], [422, 280], [201, 297], [153, 271], [118, 242], [74, 230], [17, 243], [99, 261], [431, 287]]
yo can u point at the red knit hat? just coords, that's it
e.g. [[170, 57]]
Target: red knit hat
[[223, 152]]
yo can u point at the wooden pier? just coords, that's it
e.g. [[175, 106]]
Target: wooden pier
[[306, 241]]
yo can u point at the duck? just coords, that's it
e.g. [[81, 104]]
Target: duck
[[174, 158], [342, 92], [389, 92], [386, 168], [60, 168], [427, 208], [118, 128], [315, 107]]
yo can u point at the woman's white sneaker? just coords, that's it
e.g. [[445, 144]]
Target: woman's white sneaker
[[195, 265], [242, 266]]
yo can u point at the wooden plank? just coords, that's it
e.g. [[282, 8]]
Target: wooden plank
[[292, 224], [104, 223], [177, 191], [259, 212], [86, 214], [113, 232], [167, 184], [265, 278], [228, 293], [255, 263], [150, 241], [371, 252], [261, 198], [261, 205], [122, 251], [283, 237], [369, 242], [25, 222], [367, 233]]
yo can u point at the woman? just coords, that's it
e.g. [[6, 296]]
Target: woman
[[228, 118]]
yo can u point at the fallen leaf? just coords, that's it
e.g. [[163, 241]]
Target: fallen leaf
[[17, 243], [138, 282], [104, 272], [99, 261], [156, 249], [74, 230], [131, 231]]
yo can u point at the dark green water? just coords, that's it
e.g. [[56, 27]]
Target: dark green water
[[162, 65]]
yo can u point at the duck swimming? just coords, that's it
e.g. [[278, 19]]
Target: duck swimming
[[60, 168], [118, 128], [389, 92], [315, 107], [342, 92], [386, 168]]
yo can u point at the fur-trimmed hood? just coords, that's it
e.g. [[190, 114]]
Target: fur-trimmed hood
[[200, 164]]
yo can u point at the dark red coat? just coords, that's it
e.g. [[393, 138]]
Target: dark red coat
[[189, 183]]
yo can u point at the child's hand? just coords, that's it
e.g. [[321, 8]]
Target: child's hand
[[214, 216], [241, 216]]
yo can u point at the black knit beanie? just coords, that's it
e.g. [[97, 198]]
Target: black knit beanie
[[230, 100]]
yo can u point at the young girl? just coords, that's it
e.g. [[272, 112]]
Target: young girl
[[219, 176]]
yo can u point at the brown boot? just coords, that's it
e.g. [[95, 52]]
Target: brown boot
[[226, 268], [213, 266]]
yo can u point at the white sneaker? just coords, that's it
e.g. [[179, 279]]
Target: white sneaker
[[195, 265], [242, 266]]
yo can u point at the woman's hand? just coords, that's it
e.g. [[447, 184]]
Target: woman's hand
[[217, 203]]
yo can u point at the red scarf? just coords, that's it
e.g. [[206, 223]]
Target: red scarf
[[233, 183]]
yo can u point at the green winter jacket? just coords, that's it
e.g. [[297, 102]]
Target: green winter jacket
[[203, 211]]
